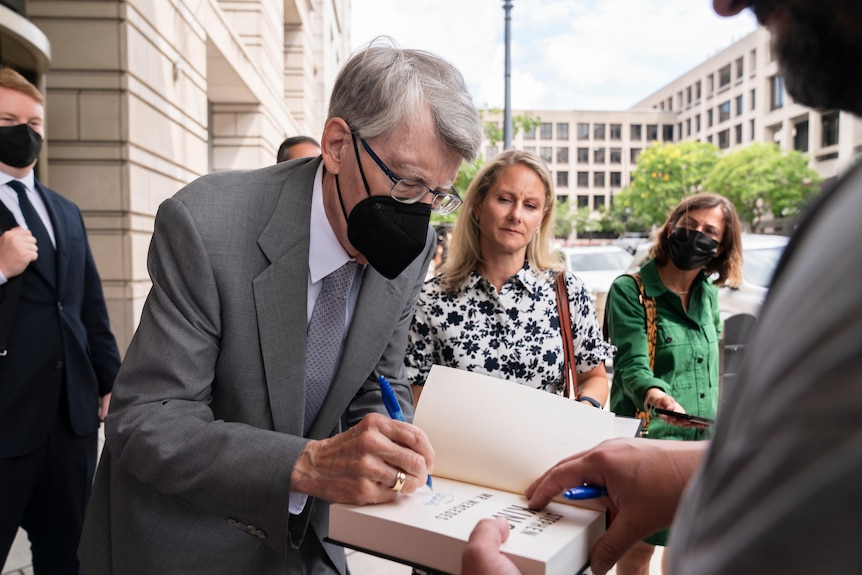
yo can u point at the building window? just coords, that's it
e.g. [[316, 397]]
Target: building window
[[724, 77], [697, 91], [752, 129], [562, 130], [563, 179], [667, 132], [562, 199], [652, 132], [800, 137], [598, 201], [583, 155], [616, 155], [563, 155], [583, 201], [583, 181], [598, 131], [709, 118], [688, 127], [637, 133], [830, 129], [710, 82], [583, 131], [598, 179], [616, 179], [776, 99], [633, 155], [531, 149], [739, 105], [738, 130], [739, 67], [688, 96], [599, 156], [546, 153], [545, 131], [530, 134], [616, 131], [753, 100], [697, 124], [490, 152], [724, 139], [752, 61], [724, 112]]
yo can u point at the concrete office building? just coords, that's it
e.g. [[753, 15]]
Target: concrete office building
[[144, 96], [732, 99]]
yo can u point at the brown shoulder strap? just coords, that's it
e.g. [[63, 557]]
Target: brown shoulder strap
[[569, 362], [651, 322]]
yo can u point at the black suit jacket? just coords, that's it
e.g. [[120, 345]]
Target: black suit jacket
[[61, 334]]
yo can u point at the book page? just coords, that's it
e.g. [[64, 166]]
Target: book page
[[502, 434]]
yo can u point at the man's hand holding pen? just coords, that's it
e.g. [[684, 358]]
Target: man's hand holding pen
[[362, 465]]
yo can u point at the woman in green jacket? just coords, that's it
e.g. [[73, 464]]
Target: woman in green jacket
[[697, 249]]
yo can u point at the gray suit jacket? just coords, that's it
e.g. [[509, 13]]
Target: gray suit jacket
[[207, 414]]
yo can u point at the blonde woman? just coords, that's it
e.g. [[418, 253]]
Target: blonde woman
[[492, 306]]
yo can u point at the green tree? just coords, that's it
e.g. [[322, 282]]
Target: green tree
[[665, 174], [763, 182], [562, 221], [494, 128]]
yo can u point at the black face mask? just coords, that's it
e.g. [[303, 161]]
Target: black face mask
[[388, 233], [19, 145], [690, 249]]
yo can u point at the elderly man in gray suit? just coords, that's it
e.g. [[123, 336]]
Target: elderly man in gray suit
[[224, 443]]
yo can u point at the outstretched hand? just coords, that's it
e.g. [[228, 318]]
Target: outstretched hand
[[482, 554], [644, 479], [360, 465]]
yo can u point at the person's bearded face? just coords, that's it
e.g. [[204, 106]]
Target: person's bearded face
[[818, 44]]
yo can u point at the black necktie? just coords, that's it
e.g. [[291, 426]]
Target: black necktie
[[43, 241]]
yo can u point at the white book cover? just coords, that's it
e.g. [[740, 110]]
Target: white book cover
[[492, 438]]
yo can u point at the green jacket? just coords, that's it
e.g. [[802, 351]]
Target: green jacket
[[686, 356]]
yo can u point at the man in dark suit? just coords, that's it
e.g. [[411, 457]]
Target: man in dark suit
[[217, 459], [58, 357]]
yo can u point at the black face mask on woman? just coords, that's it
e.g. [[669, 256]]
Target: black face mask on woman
[[387, 232], [19, 145], [690, 249]]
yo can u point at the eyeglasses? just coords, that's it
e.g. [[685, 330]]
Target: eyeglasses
[[409, 191]]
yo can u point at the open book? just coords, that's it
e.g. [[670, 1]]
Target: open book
[[493, 438]]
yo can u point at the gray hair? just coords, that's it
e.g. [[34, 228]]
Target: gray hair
[[381, 85]]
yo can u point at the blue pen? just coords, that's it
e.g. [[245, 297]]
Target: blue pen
[[394, 408], [585, 492]]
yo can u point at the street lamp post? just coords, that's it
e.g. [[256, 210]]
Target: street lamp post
[[507, 106]]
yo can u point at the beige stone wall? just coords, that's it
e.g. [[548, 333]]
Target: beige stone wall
[[144, 96]]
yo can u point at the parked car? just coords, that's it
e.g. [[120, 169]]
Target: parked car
[[760, 255], [597, 266]]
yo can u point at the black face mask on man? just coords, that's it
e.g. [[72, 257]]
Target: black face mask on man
[[19, 145], [389, 233], [690, 249]]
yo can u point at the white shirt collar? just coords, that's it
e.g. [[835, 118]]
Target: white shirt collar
[[325, 252]]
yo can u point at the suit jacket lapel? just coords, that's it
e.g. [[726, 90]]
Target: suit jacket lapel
[[280, 294]]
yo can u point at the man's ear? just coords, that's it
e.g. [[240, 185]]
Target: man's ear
[[335, 144]]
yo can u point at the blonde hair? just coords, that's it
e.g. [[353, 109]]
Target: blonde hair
[[12, 80], [464, 247]]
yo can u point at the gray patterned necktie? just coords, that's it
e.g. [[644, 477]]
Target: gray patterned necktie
[[47, 258], [325, 335]]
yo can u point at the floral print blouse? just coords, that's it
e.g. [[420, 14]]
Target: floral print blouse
[[513, 334]]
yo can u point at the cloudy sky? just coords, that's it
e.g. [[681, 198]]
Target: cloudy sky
[[565, 54]]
